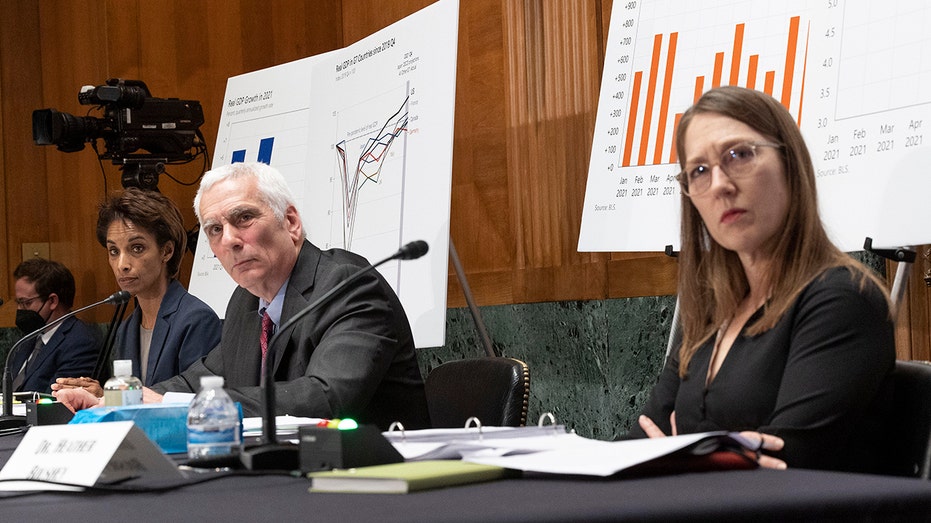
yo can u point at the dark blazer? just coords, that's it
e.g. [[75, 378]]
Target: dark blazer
[[70, 352], [185, 331], [353, 357], [819, 379]]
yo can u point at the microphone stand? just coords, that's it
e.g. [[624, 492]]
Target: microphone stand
[[9, 422], [101, 370], [270, 454]]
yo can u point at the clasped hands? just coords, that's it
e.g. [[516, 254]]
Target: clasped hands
[[83, 393], [766, 441]]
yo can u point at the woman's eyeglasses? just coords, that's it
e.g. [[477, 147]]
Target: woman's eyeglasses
[[736, 161]]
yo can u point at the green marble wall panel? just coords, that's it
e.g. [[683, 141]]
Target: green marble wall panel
[[592, 363]]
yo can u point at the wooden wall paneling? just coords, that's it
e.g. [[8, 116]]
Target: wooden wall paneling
[[223, 50], [280, 31], [554, 51], [5, 288], [913, 318], [26, 200], [922, 288], [903, 338], [641, 274], [24, 205], [480, 215], [313, 26], [919, 311], [174, 63], [363, 17], [122, 56], [75, 52], [257, 40]]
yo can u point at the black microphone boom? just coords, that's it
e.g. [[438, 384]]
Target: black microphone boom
[[271, 455], [411, 251], [101, 370], [9, 422]]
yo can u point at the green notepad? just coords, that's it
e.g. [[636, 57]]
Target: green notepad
[[401, 478]]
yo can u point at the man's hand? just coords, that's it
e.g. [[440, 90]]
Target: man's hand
[[77, 399], [88, 384], [150, 396]]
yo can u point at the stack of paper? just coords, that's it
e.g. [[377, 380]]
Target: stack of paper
[[431, 444], [545, 450]]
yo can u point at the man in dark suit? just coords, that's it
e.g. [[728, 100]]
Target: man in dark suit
[[354, 357], [45, 292]]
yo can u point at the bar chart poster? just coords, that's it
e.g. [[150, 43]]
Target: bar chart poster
[[836, 66], [364, 136]]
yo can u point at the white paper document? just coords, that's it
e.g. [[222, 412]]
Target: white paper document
[[544, 451], [284, 425]]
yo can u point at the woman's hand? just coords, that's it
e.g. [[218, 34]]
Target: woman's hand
[[77, 399], [652, 430], [764, 441], [88, 384]]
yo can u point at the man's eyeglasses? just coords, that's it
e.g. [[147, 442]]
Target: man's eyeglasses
[[736, 161], [24, 303]]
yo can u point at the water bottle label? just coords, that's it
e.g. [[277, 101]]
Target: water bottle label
[[116, 398], [228, 435]]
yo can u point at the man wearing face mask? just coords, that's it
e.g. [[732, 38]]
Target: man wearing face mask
[[44, 293]]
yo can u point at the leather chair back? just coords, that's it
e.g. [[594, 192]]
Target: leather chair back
[[495, 390]]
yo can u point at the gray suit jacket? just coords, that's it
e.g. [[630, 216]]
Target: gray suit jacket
[[352, 358]]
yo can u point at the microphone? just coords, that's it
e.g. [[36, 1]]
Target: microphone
[[9, 422], [269, 454], [411, 251]]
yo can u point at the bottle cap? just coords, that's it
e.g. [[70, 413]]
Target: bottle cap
[[211, 382], [122, 367]]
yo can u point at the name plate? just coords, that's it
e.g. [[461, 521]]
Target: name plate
[[82, 456]]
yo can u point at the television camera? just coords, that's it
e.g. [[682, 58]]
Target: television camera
[[141, 133]]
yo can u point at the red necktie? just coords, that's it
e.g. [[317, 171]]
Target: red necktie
[[267, 327]]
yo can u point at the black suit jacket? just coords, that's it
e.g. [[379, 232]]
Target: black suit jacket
[[352, 358], [70, 352]]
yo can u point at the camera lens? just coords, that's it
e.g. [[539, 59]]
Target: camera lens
[[68, 132]]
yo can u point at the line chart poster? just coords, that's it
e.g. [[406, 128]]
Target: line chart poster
[[856, 76], [364, 136]]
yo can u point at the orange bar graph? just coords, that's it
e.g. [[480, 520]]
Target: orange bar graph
[[651, 94], [791, 48], [654, 122], [738, 49], [664, 103], [632, 118], [751, 71], [673, 156], [699, 87], [718, 70], [769, 82]]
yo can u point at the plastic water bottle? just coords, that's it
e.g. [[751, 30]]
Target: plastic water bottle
[[123, 388], [213, 424]]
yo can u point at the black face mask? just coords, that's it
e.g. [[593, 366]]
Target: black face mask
[[29, 321]]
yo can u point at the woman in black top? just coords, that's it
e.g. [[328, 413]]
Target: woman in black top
[[784, 335]]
